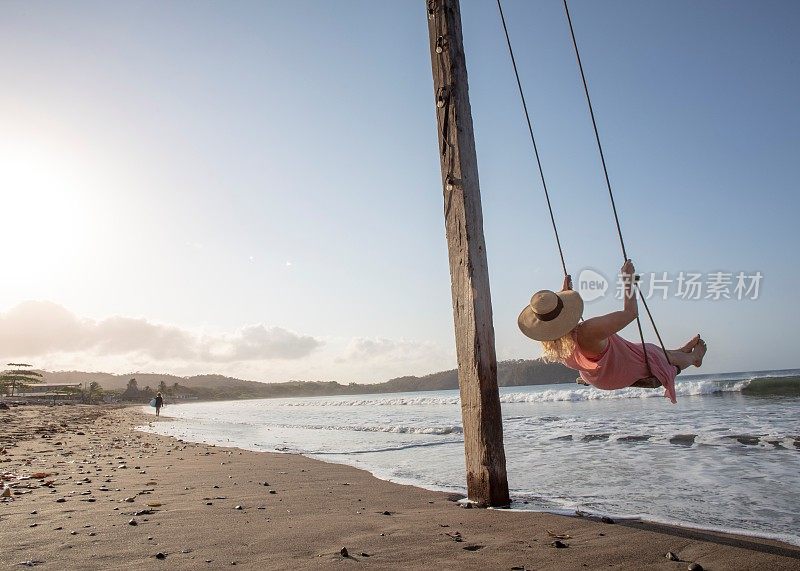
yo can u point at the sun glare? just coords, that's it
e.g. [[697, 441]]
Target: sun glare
[[45, 211]]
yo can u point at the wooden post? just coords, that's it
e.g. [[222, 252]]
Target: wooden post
[[472, 305]]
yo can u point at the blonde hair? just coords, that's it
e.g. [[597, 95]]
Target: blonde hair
[[558, 350]]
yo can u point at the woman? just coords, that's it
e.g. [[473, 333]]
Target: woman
[[159, 403], [605, 360]]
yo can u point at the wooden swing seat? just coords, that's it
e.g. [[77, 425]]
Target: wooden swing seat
[[646, 383]]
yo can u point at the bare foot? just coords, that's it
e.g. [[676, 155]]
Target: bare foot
[[691, 344], [699, 352]]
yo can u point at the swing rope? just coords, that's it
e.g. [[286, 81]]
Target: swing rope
[[533, 139], [605, 171], [611, 195]]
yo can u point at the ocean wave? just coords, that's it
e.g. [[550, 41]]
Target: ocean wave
[[788, 386], [390, 401], [572, 394], [394, 429], [576, 394], [237, 423], [572, 431], [399, 447], [773, 386], [762, 441], [391, 429]]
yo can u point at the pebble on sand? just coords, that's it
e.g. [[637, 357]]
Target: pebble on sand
[[343, 552], [133, 522], [558, 544], [695, 567], [671, 556], [161, 555]]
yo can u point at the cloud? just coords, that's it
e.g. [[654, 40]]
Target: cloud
[[257, 342], [119, 335], [361, 349], [37, 328]]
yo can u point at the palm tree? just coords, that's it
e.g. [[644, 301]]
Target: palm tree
[[94, 392], [19, 377]]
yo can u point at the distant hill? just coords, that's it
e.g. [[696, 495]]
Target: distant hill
[[509, 373]]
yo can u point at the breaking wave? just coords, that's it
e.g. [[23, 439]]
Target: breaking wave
[[577, 394], [389, 401], [773, 386], [764, 386], [393, 429]]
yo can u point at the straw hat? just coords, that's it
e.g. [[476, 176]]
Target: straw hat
[[551, 315]]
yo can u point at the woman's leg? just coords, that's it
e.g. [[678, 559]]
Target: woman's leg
[[682, 359], [691, 344]]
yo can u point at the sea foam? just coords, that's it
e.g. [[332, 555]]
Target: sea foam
[[572, 394]]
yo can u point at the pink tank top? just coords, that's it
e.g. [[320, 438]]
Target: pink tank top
[[622, 364]]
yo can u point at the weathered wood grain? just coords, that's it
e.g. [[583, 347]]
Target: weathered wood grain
[[472, 307]]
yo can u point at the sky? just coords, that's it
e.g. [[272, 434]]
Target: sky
[[253, 188]]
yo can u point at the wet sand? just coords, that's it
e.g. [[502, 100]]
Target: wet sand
[[89, 492]]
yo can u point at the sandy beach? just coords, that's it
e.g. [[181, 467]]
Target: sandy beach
[[90, 492]]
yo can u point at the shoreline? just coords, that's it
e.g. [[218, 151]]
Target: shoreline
[[644, 519], [215, 511]]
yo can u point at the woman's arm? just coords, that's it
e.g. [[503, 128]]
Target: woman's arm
[[593, 332]]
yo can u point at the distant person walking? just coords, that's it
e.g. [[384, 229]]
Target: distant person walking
[[159, 403]]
